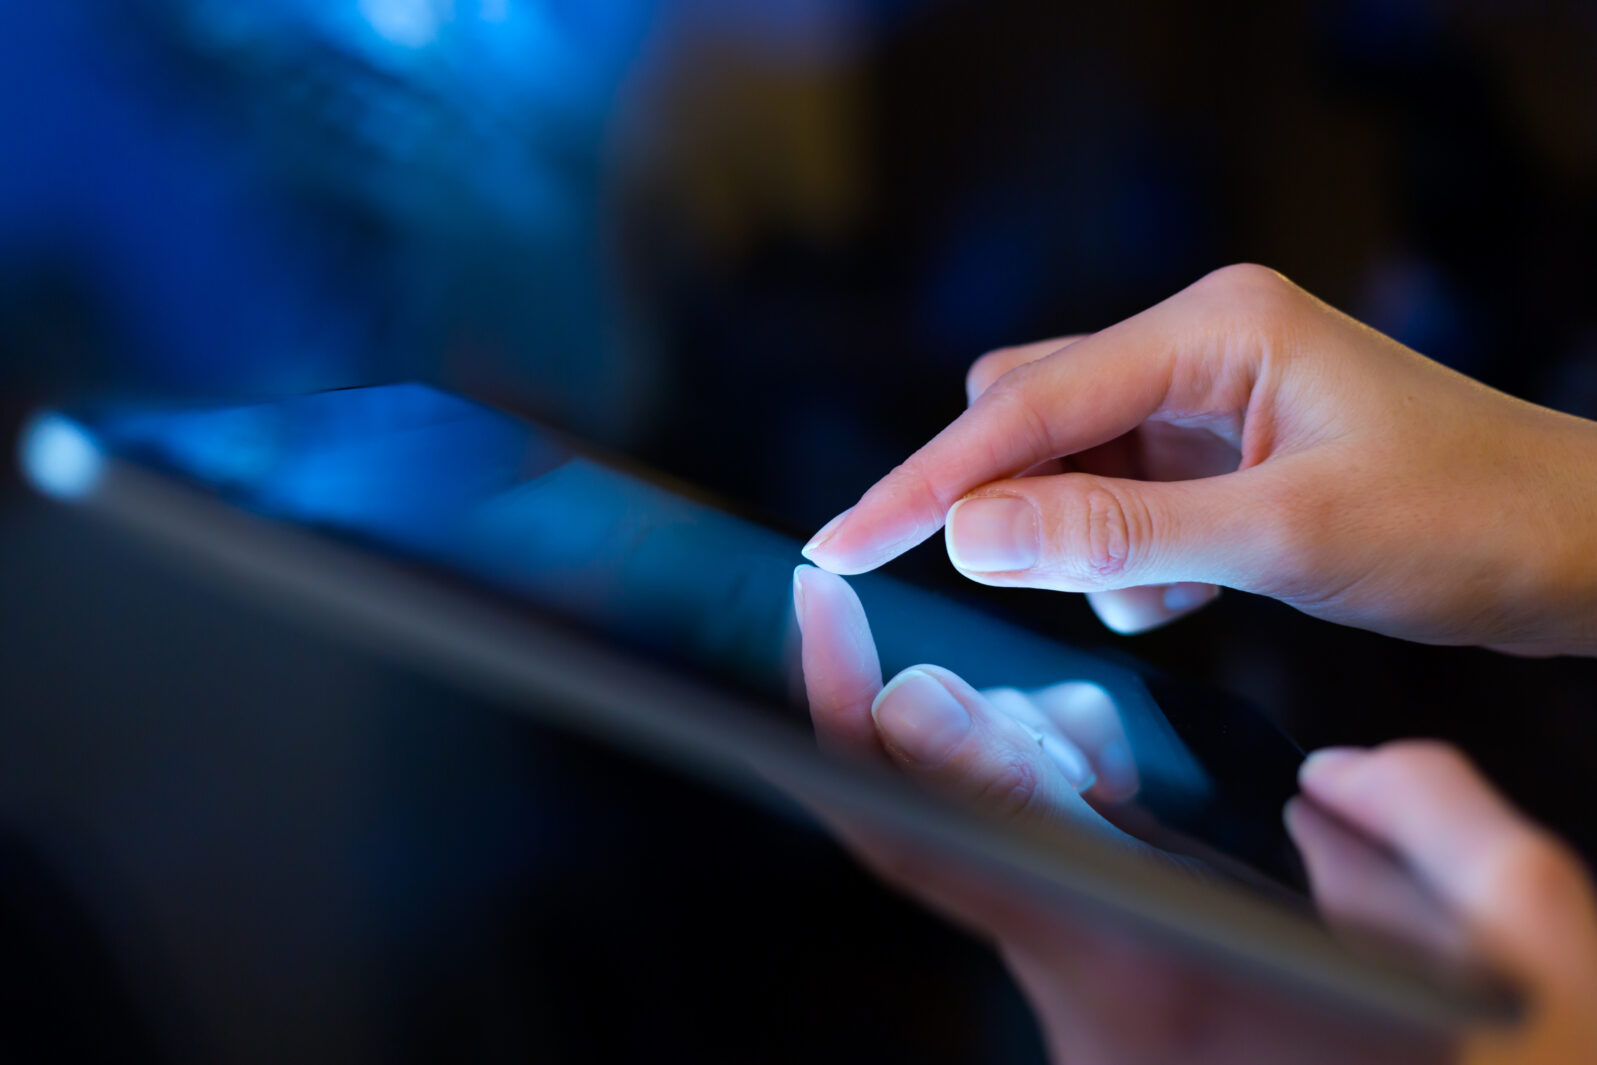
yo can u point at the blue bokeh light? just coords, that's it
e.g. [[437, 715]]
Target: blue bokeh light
[[409, 23], [59, 457]]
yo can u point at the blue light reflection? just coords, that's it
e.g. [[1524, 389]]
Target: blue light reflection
[[59, 458]]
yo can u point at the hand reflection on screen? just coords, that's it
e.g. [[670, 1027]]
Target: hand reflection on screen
[[1045, 756], [1048, 757]]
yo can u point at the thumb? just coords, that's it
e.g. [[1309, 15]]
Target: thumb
[[1079, 532]]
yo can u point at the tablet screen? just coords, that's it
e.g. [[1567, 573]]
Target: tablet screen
[[421, 474], [538, 523]]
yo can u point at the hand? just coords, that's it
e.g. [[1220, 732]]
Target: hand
[[1242, 433], [1521, 901], [1518, 898]]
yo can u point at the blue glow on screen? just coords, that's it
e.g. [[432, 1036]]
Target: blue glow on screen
[[60, 458], [435, 477], [418, 23], [408, 23], [420, 474], [219, 446]]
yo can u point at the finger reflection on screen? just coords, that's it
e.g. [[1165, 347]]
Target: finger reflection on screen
[[1085, 714]]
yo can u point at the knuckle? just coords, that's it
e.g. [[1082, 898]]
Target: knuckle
[[1240, 279], [1249, 292], [1011, 789], [1101, 534], [1108, 533]]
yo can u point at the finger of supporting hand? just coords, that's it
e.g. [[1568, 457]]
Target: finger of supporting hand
[[1360, 886], [1521, 891]]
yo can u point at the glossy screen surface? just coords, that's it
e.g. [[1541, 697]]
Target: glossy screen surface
[[474, 494]]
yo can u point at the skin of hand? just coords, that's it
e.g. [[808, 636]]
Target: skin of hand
[[1516, 897], [1522, 901], [1243, 433]]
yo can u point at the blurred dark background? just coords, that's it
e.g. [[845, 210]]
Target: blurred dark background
[[754, 244]]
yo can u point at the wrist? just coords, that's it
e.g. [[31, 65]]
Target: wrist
[[1561, 600]]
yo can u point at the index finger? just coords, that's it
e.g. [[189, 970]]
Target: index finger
[[1092, 391], [993, 365], [1182, 355]]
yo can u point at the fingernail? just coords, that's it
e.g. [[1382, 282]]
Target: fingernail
[[1325, 760], [1071, 762], [824, 535], [1179, 598], [993, 534], [920, 718]]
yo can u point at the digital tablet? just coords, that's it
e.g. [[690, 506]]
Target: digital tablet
[[606, 600]]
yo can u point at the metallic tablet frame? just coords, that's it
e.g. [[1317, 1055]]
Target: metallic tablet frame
[[559, 677]]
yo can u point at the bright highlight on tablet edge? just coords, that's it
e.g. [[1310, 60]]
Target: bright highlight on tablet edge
[[59, 458]]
